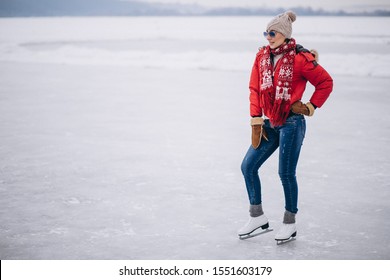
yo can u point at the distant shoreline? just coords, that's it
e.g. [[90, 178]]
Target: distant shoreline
[[184, 15], [85, 8]]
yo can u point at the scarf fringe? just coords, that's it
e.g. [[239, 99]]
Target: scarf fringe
[[280, 113]]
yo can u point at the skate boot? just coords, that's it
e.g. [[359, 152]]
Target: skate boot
[[286, 233], [253, 225]]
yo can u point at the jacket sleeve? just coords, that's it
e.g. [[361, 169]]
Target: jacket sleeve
[[254, 88], [319, 78]]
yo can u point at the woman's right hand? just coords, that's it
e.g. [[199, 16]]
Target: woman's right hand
[[258, 132]]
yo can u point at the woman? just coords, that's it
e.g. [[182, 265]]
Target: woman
[[277, 83]]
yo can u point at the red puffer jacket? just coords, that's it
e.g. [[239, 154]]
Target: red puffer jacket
[[305, 69]]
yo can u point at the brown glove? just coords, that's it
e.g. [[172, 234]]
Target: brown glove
[[258, 131], [304, 109]]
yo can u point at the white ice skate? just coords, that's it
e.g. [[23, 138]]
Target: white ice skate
[[286, 233], [255, 226]]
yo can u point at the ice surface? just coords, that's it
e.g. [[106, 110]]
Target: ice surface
[[122, 138]]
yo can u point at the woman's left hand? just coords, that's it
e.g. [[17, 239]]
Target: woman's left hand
[[304, 109]]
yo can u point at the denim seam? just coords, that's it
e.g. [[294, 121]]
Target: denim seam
[[287, 164], [252, 171]]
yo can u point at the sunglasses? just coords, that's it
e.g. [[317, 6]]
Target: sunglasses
[[272, 34]]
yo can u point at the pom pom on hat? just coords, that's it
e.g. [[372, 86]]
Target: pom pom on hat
[[291, 15], [282, 23]]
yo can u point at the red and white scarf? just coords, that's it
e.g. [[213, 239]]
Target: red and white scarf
[[277, 100]]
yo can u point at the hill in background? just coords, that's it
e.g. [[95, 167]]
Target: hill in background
[[26, 8]]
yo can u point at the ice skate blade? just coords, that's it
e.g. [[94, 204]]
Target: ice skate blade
[[284, 241], [254, 233]]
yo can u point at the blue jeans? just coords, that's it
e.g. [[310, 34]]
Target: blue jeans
[[288, 138]]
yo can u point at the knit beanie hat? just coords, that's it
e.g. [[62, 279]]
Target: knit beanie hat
[[282, 23]]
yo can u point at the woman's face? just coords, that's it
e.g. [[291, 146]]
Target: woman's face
[[275, 42]]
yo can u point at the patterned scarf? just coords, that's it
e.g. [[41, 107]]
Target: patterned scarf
[[277, 101]]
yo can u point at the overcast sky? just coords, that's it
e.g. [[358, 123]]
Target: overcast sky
[[325, 4]]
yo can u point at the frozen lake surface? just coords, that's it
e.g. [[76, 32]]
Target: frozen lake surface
[[122, 138]]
